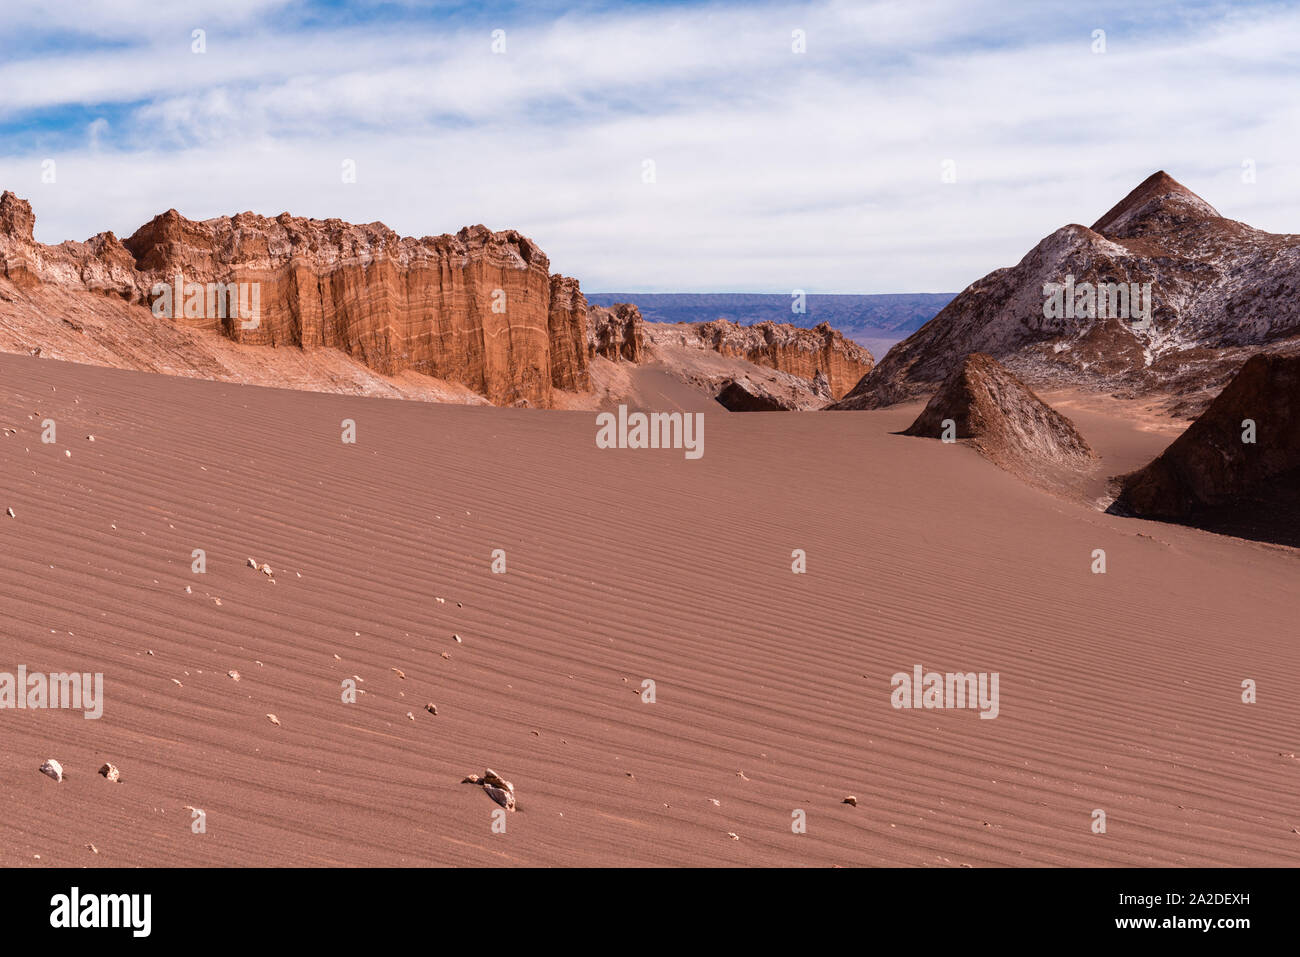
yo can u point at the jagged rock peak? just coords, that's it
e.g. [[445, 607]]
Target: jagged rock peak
[[1157, 203]]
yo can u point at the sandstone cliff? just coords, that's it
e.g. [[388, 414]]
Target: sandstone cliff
[[325, 304], [1219, 291], [616, 333], [479, 309], [806, 353]]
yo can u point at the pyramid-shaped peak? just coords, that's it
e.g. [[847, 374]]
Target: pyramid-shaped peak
[[1158, 203], [986, 402]]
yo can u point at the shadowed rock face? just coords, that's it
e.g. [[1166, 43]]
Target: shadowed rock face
[[1007, 423], [738, 396], [1211, 477], [1220, 291]]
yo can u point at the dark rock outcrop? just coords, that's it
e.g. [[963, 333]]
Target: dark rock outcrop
[[1212, 476], [745, 396]]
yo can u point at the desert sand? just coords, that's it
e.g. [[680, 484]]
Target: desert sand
[[1119, 691]]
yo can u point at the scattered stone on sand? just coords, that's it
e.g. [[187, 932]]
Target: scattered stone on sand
[[850, 800], [741, 775], [457, 639], [90, 438], [10, 513], [189, 590], [733, 835], [399, 672], [233, 675], [177, 682], [442, 601], [266, 570], [446, 655], [252, 563], [111, 772], [53, 769], [715, 802], [431, 708], [274, 720], [497, 788], [411, 716], [92, 848]]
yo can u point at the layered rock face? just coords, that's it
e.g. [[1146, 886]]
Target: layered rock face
[[1237, 464], [616, 333], [806, 353], [473, 308], [1218, 292], [479, 308], [475, 312], [1003, 417]]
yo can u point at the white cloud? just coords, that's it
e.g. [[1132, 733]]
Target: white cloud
[[775, 170]]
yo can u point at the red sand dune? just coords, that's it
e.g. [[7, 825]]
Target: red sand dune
[[1118, 691]]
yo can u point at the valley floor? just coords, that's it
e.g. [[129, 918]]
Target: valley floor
[[1118, 691]]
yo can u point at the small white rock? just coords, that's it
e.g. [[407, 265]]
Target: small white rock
[[53, 769]]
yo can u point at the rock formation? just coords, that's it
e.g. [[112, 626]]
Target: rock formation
[[340, 307], [781, 346], [479, 308], [1219, 291], [1237, 467], [1002, 416], [741, 395], [616, 333]]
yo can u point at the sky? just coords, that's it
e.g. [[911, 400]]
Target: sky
[[833, 147]]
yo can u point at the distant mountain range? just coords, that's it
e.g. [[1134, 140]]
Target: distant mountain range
[[888, 316]]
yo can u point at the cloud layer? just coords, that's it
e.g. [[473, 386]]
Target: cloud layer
[[772, 169]]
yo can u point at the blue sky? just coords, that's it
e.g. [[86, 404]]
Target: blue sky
[[773, 169]]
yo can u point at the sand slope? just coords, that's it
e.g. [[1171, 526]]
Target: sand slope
[[1118, 691]]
